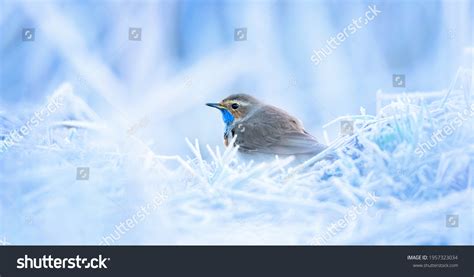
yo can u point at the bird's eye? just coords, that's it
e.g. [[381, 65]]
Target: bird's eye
[[235, 106]]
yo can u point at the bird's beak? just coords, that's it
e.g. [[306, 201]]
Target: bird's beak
[[216, 105]]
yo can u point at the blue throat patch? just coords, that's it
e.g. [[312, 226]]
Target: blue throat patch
[[227, 117]]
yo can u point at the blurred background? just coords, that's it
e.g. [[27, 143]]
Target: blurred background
[[135, 75], [149, 66]]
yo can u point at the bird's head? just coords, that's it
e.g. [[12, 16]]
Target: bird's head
[[236, 106]]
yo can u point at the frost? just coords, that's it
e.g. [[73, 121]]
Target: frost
[[216, 197]]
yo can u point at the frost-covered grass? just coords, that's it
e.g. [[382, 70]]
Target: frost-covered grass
[[214, 196]]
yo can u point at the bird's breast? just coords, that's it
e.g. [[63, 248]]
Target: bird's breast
[[226, 141], [228, 133]]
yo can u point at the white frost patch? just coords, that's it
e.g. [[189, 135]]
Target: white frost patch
[[215, 198]]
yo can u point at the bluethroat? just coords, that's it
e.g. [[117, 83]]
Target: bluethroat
[[264, 129]]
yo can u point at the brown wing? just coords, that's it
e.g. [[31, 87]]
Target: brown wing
[[273, 131]]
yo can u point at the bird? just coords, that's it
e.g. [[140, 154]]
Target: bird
[[260, 128]]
